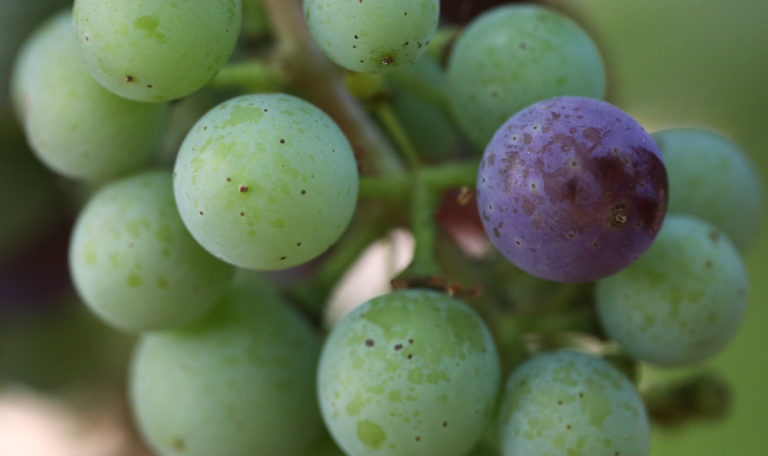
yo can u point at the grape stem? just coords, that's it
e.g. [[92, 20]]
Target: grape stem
[[253, 76], [322, 82], [398, 187], [390, 121]]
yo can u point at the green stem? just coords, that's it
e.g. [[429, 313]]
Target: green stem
[[438, 178], [323, 84], [423, 206], [252, 77], [399, 135]]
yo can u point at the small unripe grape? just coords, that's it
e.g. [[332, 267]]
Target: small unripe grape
[[409, 372]]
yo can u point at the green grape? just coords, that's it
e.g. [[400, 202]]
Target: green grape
[[239, 383], [710, 178], [410, 372], [17, 19], [75, 126], [570, 403], [374, 35], [682, 301], [135, 264], [36, 49], [156, 50], [266, 181], [513, 56], [428, 127]]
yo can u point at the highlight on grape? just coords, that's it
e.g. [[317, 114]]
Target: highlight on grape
[[232, 160]]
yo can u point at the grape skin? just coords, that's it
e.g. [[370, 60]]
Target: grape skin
[[156, 50], [410, 372], [712, 179], [266, 181], [375, 35], [571, 189], [239, 383], [34, 50], [75, 126], [135, 264], [572, 403], [683, 301], [515, 55]]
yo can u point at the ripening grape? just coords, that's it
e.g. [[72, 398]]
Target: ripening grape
[[266, 181], [133, 261], [156, 50], [239, 383], [572, 189], [75, 126], [570, 403], [410, 372], [374, 35], [712, 179], [682, 301], [512, 56]]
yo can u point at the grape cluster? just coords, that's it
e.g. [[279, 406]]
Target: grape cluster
[[569, 189]]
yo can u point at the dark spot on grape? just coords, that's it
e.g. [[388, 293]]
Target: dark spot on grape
[[410, 341], [229, 180], [388, 60], [128, 78], [282, 141], [242, 214], [398, 347], [496, 232], [581, 394], [568, 426], [714, 235], [201, 212], [282, 258], [445, 424], [410, 356], [618, 216], [369, 343], [178, 444], [418, 439], [303, 192], [243, 188]]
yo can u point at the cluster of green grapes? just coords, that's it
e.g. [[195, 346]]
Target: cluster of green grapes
[[569, 189]]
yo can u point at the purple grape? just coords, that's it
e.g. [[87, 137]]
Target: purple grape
[[572, 189]]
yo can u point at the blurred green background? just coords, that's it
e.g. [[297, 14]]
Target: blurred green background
[[670, 63], [701, 63]]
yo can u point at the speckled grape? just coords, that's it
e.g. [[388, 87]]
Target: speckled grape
[[373, 35], [75, 126], [711, 178], [133, 261], [156, 50], [515, 55], [239, 383], [410, 372], [266, 181], [574, 404], [683, 301], [572, 189]]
